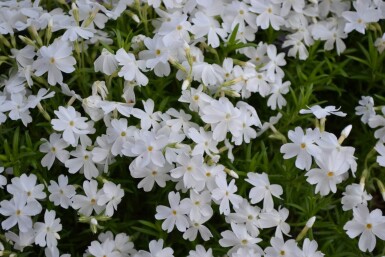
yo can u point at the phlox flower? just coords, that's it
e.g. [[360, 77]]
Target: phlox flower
[[365, 13], [25, 186], [277, 90], [111, 197], [105, 249], [47, 231], [173, 215], [223, 117], [54, 59], [3, 180], [320, 112], [156, 250], [303, 147], [280, 248], [190, 170], [238, 237], [55, 148], [275, 219], [22, 240], [151, 174], [83, 162], [148, 118], [378, 121], [88, 203], [247, 215], [331, 172], [268, 14], [199, 205], [197, 226], [200, 251], [148, 149], [71, 123], [204, 25], [61, 192], [106, 63], [365, 108], [19, 212], [368, 225], [157, 56], [131, 67], [224, 194], [380, 148], [353, 196], [263, 190], [309, 249]]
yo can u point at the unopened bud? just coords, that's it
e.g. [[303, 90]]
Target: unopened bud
[[346, 131], [5, 41], [186, 84], [231, 173], [90, 18], [28, 41], [382, 188], [135, 18], [310, 222], [177, 65], [75, 12], [231, 93], [32, 30], [48, 32]]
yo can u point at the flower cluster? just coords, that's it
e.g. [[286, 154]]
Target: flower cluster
[[169, 109]]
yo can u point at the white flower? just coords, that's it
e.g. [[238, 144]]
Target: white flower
[[3, 180], [190, 170], [112, 196], [151, 174], [262, 190], [365, 13], [223, 117], [131, 67], [303, 147], [71, 123], [55, 148], [83, 162], [224, 194], [156, 250], [61, 192], [269, 14], [54, 59], [200, 251], [276, 219], [368, 225], [280, 248], [331, 172], [204, 25], [86, 204], [47, 232], [19, 212], [380, 148], [320, 112], [106, 63], [365, 108], [105, 249], [309, 249], [173, 215], [25, 186], [22, 240], [197, 226], [378, 121], [238, 237], [353, 196]]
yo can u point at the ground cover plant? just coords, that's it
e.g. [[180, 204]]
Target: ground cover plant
[[194, 128]]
